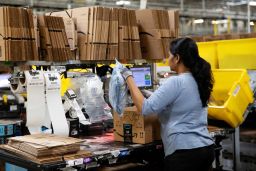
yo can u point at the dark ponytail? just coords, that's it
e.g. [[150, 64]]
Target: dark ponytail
[[187, 50]]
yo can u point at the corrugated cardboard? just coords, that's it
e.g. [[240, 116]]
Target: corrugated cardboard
[[45, 148], [134, 34], [112, 47], [105, 33], [37, 37], [144, 129], [71, 31], [45, 42], [3, 55], [17, 41], [45, 144], [154, 33], [53, 39], [46, 159], [174, 22], [39, 160], [82, 16], [123, 41]]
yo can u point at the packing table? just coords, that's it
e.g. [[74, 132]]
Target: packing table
[[106, 152]]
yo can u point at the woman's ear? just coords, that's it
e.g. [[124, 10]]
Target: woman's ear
[[177, 59]]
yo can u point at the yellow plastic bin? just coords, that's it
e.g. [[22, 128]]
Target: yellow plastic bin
[[237, 54], [231, 96], [208, 51]]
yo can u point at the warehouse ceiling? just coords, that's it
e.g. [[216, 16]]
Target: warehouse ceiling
[[236, 9]]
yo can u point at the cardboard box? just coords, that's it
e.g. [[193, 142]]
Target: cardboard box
[[155, 33], [133, 127], [174, 22], [70, 29], [53, 39], [105, 33], [150, 36], [17, 42], [71, 35], [112, 47], [37, 37]]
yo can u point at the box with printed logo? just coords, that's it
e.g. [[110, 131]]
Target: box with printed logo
[[133, 127]]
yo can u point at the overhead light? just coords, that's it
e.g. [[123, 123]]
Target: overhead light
[[123, 2], [198, 21], [219, 10], [219, 21], [243, 2], [251, 23], [214, 22], [252, 3], [237, 3]]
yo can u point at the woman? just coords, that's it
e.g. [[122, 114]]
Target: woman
[[181, 106]]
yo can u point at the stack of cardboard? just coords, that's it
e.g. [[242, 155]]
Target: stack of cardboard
[[92, 30], [129, 43], [105, 33], [71, 35], [71, 30], [37, 35], [17, 40], [81, 16], [39, 160], [45, 148], [133, 127], [100, 33], [53, 39], [155, 32], [174, 22], [96, 32], [112, 49]]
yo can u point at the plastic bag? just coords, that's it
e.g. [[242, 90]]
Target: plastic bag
[[117, 89], [90, 97]]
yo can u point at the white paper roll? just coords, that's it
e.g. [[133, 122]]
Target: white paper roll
[[35, 100], [34, 130], [54, 104], [47, 119]]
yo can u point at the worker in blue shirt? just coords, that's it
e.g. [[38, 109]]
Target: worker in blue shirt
[[181, 106]]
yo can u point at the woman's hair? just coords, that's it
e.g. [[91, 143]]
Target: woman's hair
[[187, 50]]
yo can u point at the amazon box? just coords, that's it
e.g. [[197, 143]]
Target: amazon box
[[155, 34], [133, 127]]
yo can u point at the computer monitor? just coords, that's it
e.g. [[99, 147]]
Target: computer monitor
[[143, 76]]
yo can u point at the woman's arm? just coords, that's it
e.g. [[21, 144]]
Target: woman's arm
[[137, 96], [157, 102]]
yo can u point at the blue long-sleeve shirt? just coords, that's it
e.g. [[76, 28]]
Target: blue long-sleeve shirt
[[179, 108]]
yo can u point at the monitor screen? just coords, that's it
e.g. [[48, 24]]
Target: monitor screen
[[142, 76]]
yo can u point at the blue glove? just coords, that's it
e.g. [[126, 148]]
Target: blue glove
[[126, 73]]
